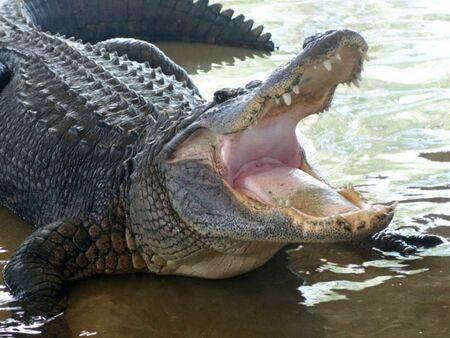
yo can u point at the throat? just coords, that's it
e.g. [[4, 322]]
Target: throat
[[273, 139]]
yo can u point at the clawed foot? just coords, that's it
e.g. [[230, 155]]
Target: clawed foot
[[403, 244]]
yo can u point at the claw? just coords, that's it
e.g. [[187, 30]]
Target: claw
[[403, 244]]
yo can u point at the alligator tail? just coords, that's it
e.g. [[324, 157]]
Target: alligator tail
[[151, 20]]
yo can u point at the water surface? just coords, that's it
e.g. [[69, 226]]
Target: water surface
[[391, 138]]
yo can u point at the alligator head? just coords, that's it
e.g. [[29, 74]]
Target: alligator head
[[239, 180]]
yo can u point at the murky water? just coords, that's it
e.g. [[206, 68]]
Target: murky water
[[391, 138]]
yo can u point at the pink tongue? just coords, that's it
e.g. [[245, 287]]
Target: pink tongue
[[276, 184]]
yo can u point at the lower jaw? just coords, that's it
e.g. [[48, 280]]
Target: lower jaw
[[275, 184]]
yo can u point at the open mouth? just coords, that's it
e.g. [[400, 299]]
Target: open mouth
[[265, 163]]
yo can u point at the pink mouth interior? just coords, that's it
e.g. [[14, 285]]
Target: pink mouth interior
[[255, 148], [264, 162]]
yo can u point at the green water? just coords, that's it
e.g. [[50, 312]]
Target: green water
[[391, 138]]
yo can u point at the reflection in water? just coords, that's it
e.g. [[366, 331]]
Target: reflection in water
[[390, 137], [438, 187], [264, 303], [326, 291], [201, 58], [431, 200]]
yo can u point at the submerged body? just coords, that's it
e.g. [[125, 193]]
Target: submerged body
[[109, 148]]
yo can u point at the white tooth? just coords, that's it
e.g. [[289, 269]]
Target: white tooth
[[338, 56], [358, 76], [280, 203], [287, 203], [366, 56], [349, 186], [296, 89], [277, 100], [315, 66], [310, 120], [360, 51], [327, 65], [287, 98], [356, 83]]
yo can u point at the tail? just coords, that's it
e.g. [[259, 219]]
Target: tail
[[150, 20]]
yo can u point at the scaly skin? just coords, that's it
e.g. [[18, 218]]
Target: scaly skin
[[96, 146]]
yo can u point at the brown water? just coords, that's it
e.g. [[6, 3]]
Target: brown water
[[391, 138]]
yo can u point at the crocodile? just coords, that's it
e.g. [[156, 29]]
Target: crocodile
[[108, 147]]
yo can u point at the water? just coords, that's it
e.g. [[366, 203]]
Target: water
[[391, 138]]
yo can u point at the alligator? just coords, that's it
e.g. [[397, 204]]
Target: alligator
[[108, 147]]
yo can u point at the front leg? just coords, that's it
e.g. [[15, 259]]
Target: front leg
[[39, 270]]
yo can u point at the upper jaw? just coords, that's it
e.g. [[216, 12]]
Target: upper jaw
[[309, 79], [329, 59]]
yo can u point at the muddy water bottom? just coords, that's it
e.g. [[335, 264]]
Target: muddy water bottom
[[390, 138]]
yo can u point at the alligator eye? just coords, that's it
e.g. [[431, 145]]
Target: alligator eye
[[316, 37], [5, 76], [253, 84], [224, 94]]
